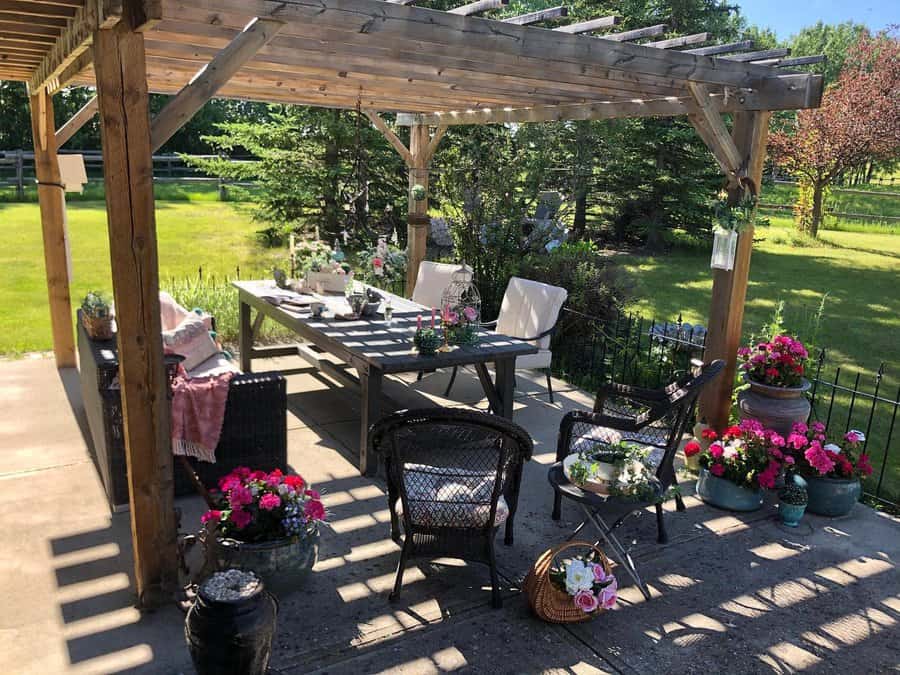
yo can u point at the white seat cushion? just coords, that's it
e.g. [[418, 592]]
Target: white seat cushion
[[214, 365], [450, 497], [533, 361], [530, 308], [431, 282]]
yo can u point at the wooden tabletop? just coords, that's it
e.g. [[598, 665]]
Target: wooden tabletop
[[371, 340]]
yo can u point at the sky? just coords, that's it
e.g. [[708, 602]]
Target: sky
[[787, 17]]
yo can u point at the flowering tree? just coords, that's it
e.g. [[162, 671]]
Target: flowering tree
[[859, 122]]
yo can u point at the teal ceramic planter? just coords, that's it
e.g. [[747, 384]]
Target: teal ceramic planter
[[726, 495], [283, 565], [791, 513], [832, 496]]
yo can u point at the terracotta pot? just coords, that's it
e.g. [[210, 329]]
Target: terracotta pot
[[777, 408]]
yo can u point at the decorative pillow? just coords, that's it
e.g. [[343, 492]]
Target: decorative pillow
[[191, 339], [450, 497], [453, 514], [170, 312]]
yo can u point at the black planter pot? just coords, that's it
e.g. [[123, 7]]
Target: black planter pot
[[231, 637]]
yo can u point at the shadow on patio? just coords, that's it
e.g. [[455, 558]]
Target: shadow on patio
[[732, 592]]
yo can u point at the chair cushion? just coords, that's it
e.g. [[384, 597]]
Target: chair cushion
[[431, 281], [531, 361], [214, 365], [530, 308], [191, 339], [450, 497]]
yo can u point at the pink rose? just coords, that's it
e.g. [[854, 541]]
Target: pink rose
[[470, 314], [269, 502], [586, 601], [600, 574], [609, 595]]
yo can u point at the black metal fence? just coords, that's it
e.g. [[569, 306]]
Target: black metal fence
[[589, 351]]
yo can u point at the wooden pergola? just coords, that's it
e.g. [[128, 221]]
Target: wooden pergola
[[434, 68]]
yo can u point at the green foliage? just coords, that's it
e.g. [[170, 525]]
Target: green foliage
[[96, 304], [793, 494], [832, 40]]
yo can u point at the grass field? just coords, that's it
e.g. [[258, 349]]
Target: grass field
[[219, 237]]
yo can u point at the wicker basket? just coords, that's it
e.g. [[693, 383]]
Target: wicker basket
[[548, 601], [98, 328]]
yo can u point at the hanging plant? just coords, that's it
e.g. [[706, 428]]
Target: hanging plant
[[419, 193]]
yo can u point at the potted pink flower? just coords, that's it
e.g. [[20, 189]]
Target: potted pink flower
[[266, 522], [736, 468], [775, 372], [833, 470]]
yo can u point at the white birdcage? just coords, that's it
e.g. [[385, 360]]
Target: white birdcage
[[461, 308], [724, 248]]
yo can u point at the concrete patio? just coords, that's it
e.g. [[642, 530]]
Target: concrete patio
[[732, 593]]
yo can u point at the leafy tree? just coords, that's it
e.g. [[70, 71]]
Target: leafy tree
[[833, 40], [859, 122]]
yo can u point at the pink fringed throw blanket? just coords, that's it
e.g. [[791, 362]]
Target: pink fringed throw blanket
[[198, 410]]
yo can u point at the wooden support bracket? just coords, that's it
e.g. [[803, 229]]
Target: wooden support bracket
[[711, 128], [78, 120], [211, 78], [390, 136]]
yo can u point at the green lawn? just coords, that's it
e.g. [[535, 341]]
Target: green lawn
[[219, 237]]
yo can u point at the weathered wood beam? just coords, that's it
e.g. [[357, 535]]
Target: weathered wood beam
[[591, 25], [128, 173], [14, 46], [40, 10], [391, 137], [11, 16], [71, 71], [29, 30], [434, 143], [729, 291], [636, 34], [78, 120], [749, 57], [478, 6], [75, 40], [795, 61], [711, 128], [210, 79], [52, 200], [542, 15], [417, 227], [726, 48], [682, 41]]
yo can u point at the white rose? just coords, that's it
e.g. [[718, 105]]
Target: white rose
[[579, 577], [729, 451]]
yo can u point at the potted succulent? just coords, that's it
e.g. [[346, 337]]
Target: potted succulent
[[792, 500], [96, 316], [832, 470], [427, 341], [268, 523], [230, 626], [774, 371], [735, 469]]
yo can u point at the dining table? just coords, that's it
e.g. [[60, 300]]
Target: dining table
[[371, 345]]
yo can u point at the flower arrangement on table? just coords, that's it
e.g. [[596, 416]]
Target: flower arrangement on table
[[585, 579], [778, 363], [256, 506], [384, 261], [747, 455], [621, 469], [460, 324], [426, 340], [817, 457]]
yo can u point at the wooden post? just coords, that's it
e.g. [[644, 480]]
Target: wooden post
[[120, 69], [417, 232], [52, 199], [726, 314]]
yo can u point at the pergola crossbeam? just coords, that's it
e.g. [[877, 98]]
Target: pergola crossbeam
[[727, 48], [536, 17], [78, 120], [750, 57], [636, 34], [477, 7], [590, 25], [210, 79], [682, 41]]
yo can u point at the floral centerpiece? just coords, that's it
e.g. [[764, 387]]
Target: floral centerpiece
[[584, 578], [737, 467], [384, 261], [832, 469], [461, 324], [267, 522], [774, 370], [622, 469]]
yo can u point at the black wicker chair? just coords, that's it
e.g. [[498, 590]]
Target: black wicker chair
[[655, 417], [254, 432], [453, 478]]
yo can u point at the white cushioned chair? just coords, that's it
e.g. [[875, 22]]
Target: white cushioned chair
[[529, 311], [431, 281]]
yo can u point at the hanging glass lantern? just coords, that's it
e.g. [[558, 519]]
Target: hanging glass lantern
[[724, 248], [461, 309]]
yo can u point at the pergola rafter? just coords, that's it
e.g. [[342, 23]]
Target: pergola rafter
[[435, 69]]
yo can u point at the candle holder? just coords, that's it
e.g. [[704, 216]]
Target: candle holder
[[427, 341]]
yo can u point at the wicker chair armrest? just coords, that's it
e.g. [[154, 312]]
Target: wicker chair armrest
[[632, 424], [630, 391]]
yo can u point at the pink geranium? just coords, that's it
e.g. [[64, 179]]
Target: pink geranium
[[240, 518], [211, 516], [269, 502], [778, 363], [240, 496], [314, 510], [818, 458]]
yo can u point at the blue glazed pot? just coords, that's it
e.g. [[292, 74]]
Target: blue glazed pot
[[726, 495], [791, 513], [832, 496]]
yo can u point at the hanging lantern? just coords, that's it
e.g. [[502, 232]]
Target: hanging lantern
[[724, 248], [461, 309]]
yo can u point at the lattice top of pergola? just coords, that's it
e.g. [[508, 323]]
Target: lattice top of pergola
[[447, 67]]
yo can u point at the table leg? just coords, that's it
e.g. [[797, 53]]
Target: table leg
[[506, 385], [370, 384], [245, 336]]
